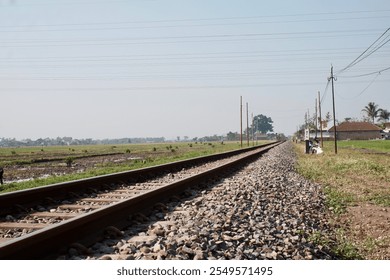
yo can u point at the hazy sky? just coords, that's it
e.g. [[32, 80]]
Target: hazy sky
[[167, 68]]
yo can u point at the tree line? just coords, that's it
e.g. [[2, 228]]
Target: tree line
[[64, 141]]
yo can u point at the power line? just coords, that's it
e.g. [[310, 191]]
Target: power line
[[370, 51], [325, 91], [363, 91], [199, 19], [215, 36], [268, 53], [216, 40], [157, 62], [141, 88], [367, 74], [29, 30]]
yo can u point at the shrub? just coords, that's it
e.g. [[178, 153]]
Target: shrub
[[69, 161]]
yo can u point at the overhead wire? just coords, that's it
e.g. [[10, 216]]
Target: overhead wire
[[202, 19], [367, 74], [364, 90], [382, 40], [190, 55], [190, 39], [31, 28], [325, 91], [214, 36], [369, 50], [153, 88]]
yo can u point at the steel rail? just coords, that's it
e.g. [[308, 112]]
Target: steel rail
[[89, 226], [29, 197]]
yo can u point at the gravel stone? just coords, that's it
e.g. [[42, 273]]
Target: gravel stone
[[263, 211]]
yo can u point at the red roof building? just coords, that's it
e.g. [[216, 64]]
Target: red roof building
[[357, 131]]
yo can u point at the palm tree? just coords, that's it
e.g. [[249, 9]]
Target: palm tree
[[372, 110], [384, 115]]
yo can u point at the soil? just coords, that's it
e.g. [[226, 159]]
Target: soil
[[369, 228], [367, 225], [44, 169]]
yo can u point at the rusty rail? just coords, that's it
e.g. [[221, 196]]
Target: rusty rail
[[86, 227]]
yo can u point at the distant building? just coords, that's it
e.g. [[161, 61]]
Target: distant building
[[386, 131], [387, 127], [356, 131]]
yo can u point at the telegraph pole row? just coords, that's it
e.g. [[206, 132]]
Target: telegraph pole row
[[247, 123]]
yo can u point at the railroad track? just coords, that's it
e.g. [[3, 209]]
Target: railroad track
[[37, 223]]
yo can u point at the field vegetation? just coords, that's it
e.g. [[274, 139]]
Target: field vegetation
[[29, 167], [357, 185]]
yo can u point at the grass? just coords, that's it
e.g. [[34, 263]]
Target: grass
[[29, 155], [345, 248], [144, 155], [352, 175], [375, 145], [337, 200], [358, 175]]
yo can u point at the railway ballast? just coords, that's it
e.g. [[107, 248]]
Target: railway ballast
[[264, 211]]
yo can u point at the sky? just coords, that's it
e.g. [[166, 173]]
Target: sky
[[166, 68]]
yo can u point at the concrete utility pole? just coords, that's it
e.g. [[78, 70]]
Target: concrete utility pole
[[334, 110]]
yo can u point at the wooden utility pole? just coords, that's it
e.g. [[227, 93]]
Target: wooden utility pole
[[253, 130], [319, 109], [316, 120], [334, 110], [241, 120], [247, 125]]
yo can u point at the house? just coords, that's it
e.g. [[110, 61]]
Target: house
[[387, 127], [356, 131], [386, 131]]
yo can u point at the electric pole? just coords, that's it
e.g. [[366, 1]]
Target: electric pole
[[241, 120], [253, 130], [247, 125], [319, 109], [334, 109], [316, 120]]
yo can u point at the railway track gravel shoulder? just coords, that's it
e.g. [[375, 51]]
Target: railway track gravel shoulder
[[264, 211]]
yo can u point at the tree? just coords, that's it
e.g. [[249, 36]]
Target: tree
[[384, 115], [371, 110], [263, 124], [232, 136]]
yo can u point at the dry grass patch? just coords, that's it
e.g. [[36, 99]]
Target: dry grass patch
[[357, 185]]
